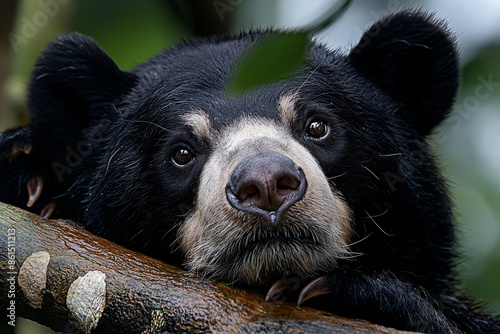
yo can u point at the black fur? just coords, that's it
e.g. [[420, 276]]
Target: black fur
[[103, 141]]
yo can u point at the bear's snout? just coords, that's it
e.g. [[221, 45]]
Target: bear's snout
[[266, 184]]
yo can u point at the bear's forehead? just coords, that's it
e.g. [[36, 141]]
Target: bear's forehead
[[172, 106], [250, 119], [170, 95]]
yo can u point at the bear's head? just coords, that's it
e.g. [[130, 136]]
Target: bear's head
[[326, 165]]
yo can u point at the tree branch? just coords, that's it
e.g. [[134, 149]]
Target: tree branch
[[71, 280]]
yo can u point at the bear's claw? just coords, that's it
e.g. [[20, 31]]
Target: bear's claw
[[35, 187], [275, 290], [27, 148], [48, 210], [315, 288], [18, 149]]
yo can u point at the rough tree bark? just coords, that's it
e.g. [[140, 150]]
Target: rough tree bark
[[73, 281]]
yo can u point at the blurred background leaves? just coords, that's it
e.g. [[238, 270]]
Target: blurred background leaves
[[468, 143], [272, 59]]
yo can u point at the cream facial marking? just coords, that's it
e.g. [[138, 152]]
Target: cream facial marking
[[286, 105], [199, 122]]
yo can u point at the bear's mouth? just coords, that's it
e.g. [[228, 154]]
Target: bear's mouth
[[263, 262], [274, 242], [289, 231], [262, 257], [241, 247]]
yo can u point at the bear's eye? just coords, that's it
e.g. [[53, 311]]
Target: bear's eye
[[318, 129], [182, 157]]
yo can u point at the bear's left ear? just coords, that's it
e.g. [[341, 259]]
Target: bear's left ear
[[412, 57], [74, 85]]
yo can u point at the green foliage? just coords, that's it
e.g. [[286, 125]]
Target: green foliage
[[281, 54], [328, 18], [473, 176], [484, 64], [129, 31], [272, 59]]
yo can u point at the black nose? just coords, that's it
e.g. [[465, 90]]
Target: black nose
[[266, 184]]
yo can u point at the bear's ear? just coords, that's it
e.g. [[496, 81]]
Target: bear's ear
[[412, 57], [74, 85]]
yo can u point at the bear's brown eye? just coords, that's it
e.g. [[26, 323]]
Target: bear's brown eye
[[318, 129], [182, 157]]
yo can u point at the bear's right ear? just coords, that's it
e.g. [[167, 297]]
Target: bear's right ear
[[74, 85], [412, 57]]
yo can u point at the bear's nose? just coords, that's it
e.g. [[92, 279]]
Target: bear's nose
[[266, 184]]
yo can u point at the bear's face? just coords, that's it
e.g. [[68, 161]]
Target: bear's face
[[258, 190], [291, 177], [263, 205]]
